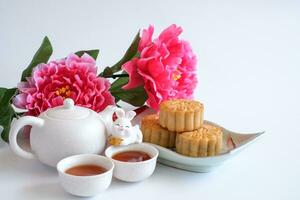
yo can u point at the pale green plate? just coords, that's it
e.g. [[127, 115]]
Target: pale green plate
[[233, 143]]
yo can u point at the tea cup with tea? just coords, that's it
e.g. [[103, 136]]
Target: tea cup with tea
[[134, 162], [85, 174]]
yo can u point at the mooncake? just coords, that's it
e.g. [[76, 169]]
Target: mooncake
[[205, 141], [154, 133], [181, 115]]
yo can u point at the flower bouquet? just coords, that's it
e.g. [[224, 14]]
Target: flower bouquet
[[151, 71]]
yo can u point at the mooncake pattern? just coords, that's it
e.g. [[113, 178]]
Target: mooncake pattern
[[155, 134], [181, 115], [205, 141]]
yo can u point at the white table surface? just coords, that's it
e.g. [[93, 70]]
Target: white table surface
[[249, 68]]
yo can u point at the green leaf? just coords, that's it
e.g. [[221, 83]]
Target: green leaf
[[136, 96], [6, 114], [131, 52], [120, 82], [6, 96], [93, 53], [6, 111], [41, 56], [107, 72]]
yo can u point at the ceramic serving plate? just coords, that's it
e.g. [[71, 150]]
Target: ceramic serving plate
[[233, 143]]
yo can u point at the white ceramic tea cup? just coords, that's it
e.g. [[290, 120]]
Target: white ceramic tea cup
[[133, 171], [85, 186]]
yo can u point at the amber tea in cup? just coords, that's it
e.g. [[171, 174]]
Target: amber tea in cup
[[131, 156], [85, 170]]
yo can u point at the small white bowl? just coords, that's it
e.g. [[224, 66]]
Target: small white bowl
[[133, 171], [85, 186]]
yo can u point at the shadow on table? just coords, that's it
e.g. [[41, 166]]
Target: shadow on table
[[13, 165], [50, 190], [166, 175]]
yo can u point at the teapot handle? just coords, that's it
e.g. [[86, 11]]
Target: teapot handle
[[16, 126]]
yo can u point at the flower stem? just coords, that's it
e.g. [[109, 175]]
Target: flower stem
[[117, 76], [141, 109]]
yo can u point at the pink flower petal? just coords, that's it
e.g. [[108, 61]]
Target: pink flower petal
[[166, 66], [169, 33], [20, 101], [146, 38], [135, 79], [73, 77]]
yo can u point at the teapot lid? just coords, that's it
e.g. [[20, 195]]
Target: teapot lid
[[67, 111]]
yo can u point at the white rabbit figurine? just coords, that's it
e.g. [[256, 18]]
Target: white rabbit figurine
[[122, 132]]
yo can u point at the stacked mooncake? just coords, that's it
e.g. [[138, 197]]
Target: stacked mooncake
[[180, 125]]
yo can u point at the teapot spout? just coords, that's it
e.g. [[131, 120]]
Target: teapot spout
[[107, 118]]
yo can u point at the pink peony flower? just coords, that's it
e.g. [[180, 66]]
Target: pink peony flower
[[166, 66], [73, 77]]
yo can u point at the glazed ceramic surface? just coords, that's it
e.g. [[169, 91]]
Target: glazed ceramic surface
[[122, 128], [63, 131], [233, 143], [85, 186], [133, 171]]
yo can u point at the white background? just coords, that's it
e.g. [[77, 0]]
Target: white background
[[248, 69]]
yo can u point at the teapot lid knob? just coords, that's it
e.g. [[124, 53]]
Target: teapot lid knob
[[68, 103], [68, 111]]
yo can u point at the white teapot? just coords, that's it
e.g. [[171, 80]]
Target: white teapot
[[63, 131]]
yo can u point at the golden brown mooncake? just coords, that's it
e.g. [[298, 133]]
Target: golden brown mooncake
[[181, 115], [155, 134], [205, 141]]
